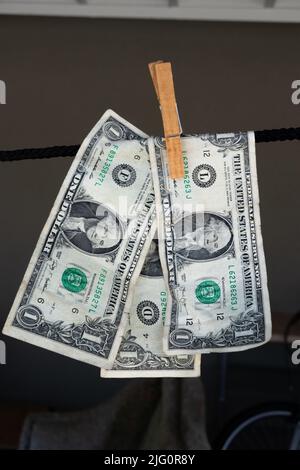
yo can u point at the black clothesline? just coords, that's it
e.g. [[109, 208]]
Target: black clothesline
[[267, 135]]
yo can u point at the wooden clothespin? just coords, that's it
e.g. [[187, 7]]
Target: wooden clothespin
[[161, 73]]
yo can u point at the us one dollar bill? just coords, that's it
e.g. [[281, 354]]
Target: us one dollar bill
[[78, 286], [211, 246], [141, 351]]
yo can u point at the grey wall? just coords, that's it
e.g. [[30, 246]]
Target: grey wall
[[62, 74]]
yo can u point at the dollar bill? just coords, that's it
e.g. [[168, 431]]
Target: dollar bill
[[78, 286], [141, 351], [211, 246]]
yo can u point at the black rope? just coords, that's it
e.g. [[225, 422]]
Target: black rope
[[47, 152], [275, 135], [268, 135]]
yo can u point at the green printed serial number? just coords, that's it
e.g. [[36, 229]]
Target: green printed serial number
[[163, 304], [186, 177], [98, 291], [233, 289], [109, 159]]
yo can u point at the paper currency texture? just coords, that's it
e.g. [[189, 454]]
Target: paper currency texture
[[78, 286], [141, 351], [211, 246]]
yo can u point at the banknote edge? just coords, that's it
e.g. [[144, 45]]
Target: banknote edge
[[265, 291], [161, 237], [51, 345], [180, 373]]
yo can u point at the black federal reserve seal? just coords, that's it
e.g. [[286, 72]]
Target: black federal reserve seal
[[147, 312], [124, 175], [204, 175]]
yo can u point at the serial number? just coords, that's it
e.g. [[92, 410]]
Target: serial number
[[233, 289]]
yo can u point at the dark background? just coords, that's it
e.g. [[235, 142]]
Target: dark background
[[61, 75]]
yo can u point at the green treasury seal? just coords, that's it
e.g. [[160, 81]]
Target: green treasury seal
[[74, 280], [208, 292]]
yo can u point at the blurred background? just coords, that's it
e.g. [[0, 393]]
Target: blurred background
[[64, 63]]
